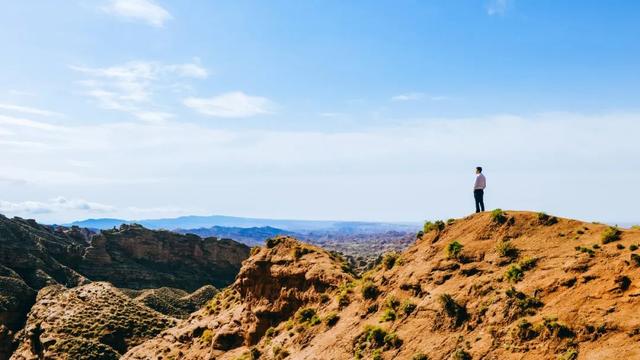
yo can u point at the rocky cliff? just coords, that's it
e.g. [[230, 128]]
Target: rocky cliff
[[512, 285], [135, 257], [33, 256], [94, 321]]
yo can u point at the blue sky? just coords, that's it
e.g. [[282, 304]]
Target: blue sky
[[372, 110]]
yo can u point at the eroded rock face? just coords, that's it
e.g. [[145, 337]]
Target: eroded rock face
[[273, 284], [34, 256], [94, 321], [476, 288], [135, 257]]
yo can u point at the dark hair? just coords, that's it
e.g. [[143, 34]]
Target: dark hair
[[479, 168]]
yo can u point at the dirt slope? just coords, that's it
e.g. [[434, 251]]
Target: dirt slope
[[511, 286]]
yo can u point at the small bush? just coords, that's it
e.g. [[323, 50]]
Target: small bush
[[506, 249], [525, 330], [431, 226], [271, 332], [552, 328], [623, 282], [585, 250], [408, 307], [307, 316], [524, 304], [373, 338], [611, 234], [498, 216], [514, 273], [570, 354], [453, 310], [420, 234], [298, 252], [332, 319], [392, 303], [454, 250], [528, 263], [207, 336], [388, 315], [461, 354], [420, 356], [370, 291], [633, 247], [389, 259], [635, 259], [343, 300], [547, 220], [272, 242]]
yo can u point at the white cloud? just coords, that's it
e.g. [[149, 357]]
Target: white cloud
[[21, 122], [231, 105], [29, 110], [138, 10], [542, 162], [58, 204], [497, 7], [415, 96], [130, 87]]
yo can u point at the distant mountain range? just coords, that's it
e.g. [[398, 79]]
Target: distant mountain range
[[300, 226]]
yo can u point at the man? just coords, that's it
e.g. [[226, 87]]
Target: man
[[478, 189]]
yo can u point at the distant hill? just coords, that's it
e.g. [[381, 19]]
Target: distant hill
[[197, 222], [250, 236]]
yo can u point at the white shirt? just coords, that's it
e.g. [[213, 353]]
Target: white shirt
[[481, 182]]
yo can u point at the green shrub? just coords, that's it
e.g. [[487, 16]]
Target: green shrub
[[525, 305], [389, 259], [408, 307], [307, 316], [620, 247], [388, 315], [454, 250], [547, 220], [635, 258], [299, 251], [343, 300], [272, 242], [553, 328], [453, 310], [431, 226], [633, 247], [207, 336], [506, 249], [271, 332], [392, 303], [370, 290], [461, 354], [514, 273], [373, 338], [420, 356], [525, 331], [570, 354], [420, 234], [332, 319], [528, 263], [585, 250], [498, 216], [611, 234]]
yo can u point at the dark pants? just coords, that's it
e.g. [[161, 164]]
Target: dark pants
[[478, 194]]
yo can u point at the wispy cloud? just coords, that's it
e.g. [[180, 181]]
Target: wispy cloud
[[146, 11], [129, 87], [415, 96], [498, 7], [29, 110], [58, 204], [21, 122], [231, 105]]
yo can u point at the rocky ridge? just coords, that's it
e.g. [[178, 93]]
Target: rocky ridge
[[501, 285]]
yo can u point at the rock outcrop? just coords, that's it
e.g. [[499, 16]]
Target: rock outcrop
[[272, 286], [135, 257], [512, 285], [94, 321], [34, 256]]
